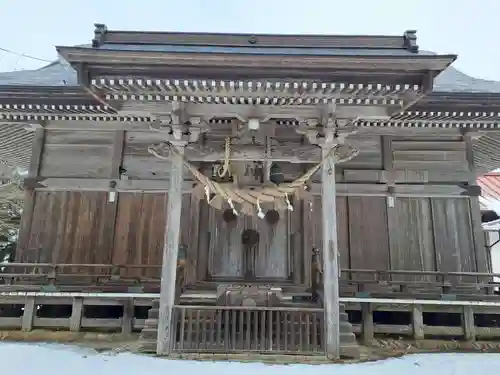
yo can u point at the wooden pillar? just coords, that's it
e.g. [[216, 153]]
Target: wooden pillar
[[330, 254], [170, 250], [475, 212]]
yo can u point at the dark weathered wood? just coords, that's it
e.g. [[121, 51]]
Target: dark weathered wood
[[170, 251], [330, 257]]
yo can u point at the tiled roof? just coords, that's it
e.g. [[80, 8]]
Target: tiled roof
[[59, 74], [55, 74]]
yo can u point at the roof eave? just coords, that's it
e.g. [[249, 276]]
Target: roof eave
[[77, 56]]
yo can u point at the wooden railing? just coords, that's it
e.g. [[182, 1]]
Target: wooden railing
[[249, 329], [361, 283], [212, 329]]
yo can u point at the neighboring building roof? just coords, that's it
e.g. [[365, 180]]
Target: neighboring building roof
[[490, 189], [54, 74], [60, 74], [15, 145], [490, 198], [453, 80]]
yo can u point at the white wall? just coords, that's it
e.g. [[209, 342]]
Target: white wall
[[493, 238]]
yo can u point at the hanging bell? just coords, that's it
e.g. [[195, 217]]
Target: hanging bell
[[275, 174]]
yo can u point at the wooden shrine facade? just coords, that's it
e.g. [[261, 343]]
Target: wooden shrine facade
[[95, 194]]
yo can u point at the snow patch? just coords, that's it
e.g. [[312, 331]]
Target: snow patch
[[52, 359]]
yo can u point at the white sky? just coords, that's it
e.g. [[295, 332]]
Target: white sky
[[464, 27]]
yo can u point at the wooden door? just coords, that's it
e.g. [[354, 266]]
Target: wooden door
[[228, 255]]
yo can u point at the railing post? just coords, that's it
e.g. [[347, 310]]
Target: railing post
[[418, 322], [128, 316], [367, 322], [75, 321], [28, 314], [468, 323]]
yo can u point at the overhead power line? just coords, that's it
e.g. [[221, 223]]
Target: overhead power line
[[24, 55]]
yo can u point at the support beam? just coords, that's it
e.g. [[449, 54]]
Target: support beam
[[170, 250], [161, 186], [330, 255]]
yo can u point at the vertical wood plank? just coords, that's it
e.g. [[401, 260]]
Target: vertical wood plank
[[411, 237], [368, 233], [452, 235], [170, 251], [330, 254]]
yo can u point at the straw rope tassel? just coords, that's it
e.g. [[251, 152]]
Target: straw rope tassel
[[246, 197]]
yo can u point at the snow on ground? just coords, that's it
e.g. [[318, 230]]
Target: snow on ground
[[49, 359]]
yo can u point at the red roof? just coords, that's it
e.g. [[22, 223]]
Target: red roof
[[490, 185]]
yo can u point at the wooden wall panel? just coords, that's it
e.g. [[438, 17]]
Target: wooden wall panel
[[314, 219], [139, 229], [368, 233], [77, 153], [370, 152], [453, 235], [432, 155], [411, 236], [69, 227], [139, 163]]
